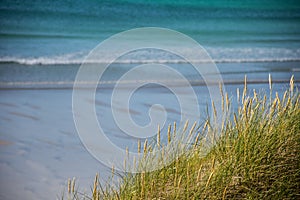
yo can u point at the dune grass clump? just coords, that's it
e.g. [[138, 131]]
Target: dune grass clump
[[255, 155]]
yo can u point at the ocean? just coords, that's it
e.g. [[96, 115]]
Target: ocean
[[63, 32], [43, 44]]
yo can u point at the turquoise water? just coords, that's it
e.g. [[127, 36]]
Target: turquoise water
[[52, 32]]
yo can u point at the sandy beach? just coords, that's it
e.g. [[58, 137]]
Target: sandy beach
[[40, 147]]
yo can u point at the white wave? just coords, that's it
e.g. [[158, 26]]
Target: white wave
[[125, 84], [40, 61], [218, 55]]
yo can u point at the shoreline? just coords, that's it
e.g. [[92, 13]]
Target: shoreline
[[45, 152]]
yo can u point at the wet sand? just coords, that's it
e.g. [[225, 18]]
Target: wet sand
[[40, 148]]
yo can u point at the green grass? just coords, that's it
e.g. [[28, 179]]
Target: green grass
[[254, 155]]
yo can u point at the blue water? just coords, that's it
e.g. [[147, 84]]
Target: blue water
[[52, 32]]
